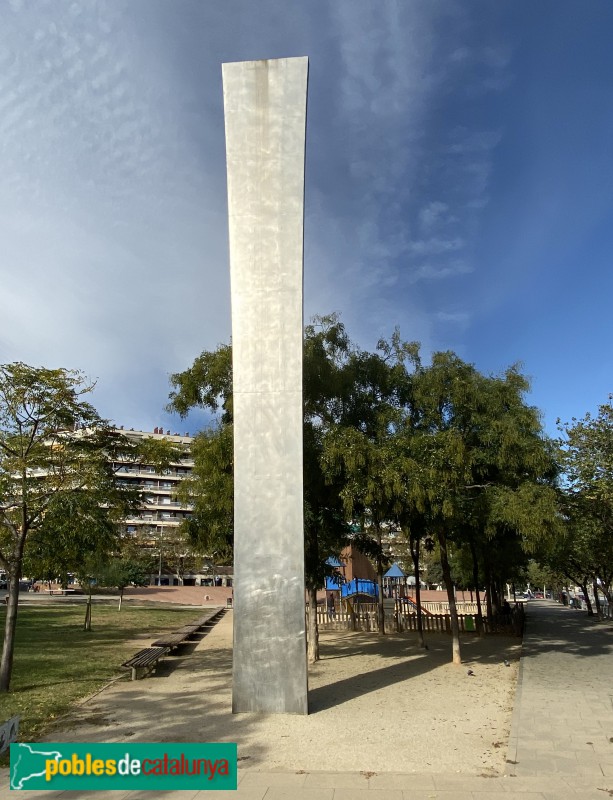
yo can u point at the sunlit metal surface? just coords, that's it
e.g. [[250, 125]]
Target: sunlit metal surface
[[265, 118]]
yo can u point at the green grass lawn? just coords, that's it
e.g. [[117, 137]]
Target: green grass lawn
[[56, 662]]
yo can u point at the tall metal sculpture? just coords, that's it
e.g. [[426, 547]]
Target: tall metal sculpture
[[265, 120]]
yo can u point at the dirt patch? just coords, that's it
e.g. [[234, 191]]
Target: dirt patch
[[381, 702]]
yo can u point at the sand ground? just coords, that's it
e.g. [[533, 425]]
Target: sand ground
[[381, 702]]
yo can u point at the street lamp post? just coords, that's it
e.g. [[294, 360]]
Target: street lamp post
[[160, 561]]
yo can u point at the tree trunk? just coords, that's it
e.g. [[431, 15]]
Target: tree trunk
[[380, 606], [10, 626], [414, 546], [488, 591], [312, 629], [596, 598], [87, 625], [473, 552], [590, 610], [495, 599], [605, 580], [453, 611], [351, 611], [6, 665]]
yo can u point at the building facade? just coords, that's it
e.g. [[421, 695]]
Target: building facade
[[156, 523]]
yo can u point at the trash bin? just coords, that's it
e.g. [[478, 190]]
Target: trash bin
[[469, 624], [229, 602]]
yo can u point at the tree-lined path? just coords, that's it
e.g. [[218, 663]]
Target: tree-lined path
[[563, 718]]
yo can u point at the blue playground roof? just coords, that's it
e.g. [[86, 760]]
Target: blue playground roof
[[394, 572], [333, 582]]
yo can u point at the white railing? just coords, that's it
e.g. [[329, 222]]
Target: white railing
[[368, 610], [442, 607], [364, 617]]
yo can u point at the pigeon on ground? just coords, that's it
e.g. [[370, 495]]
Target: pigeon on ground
[[506, 663], [469, 672]]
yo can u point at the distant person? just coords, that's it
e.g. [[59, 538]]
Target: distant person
[[506, 611], [331, 608]]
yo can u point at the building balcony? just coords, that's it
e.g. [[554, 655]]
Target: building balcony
[[153, 506]]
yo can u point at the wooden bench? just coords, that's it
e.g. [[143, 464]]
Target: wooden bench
[[145, 661], [181, 635], [189, 630], [172, 640], [210, 618]]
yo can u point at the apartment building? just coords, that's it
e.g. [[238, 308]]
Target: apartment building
[[160, 514]]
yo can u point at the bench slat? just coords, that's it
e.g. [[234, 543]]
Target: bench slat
[[145, 661], [171, 640], [188, 629], [209, 616], [146, 656]]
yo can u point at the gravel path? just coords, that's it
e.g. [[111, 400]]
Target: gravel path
[[382, 703]]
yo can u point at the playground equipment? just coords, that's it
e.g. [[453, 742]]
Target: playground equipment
[[413, 605], [359, 586]]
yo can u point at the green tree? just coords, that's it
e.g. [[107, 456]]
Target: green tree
[[588, 452], [361, 448], [540, 576], [119, 572], [328, 392], [210, 491], [484, 467], [77, 526], [365, 466], [53, 444], [587, 447]]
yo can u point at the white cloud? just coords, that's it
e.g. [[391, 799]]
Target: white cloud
[[431, 272], [105, 256], [436, 246], [432, 215], [466, 142], [455, 317], [113, 253]]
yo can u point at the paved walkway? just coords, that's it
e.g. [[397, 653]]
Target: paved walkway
[[561, 743], [563, 717]]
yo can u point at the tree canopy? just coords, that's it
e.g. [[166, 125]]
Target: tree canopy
[[584, 550], [59, 499], [441, 450]]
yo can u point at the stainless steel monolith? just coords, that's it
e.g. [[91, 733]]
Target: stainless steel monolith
[[265, 120]]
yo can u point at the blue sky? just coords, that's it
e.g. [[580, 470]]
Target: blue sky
[[459, 184]]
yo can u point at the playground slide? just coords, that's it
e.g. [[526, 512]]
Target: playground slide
[[413, 605]]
